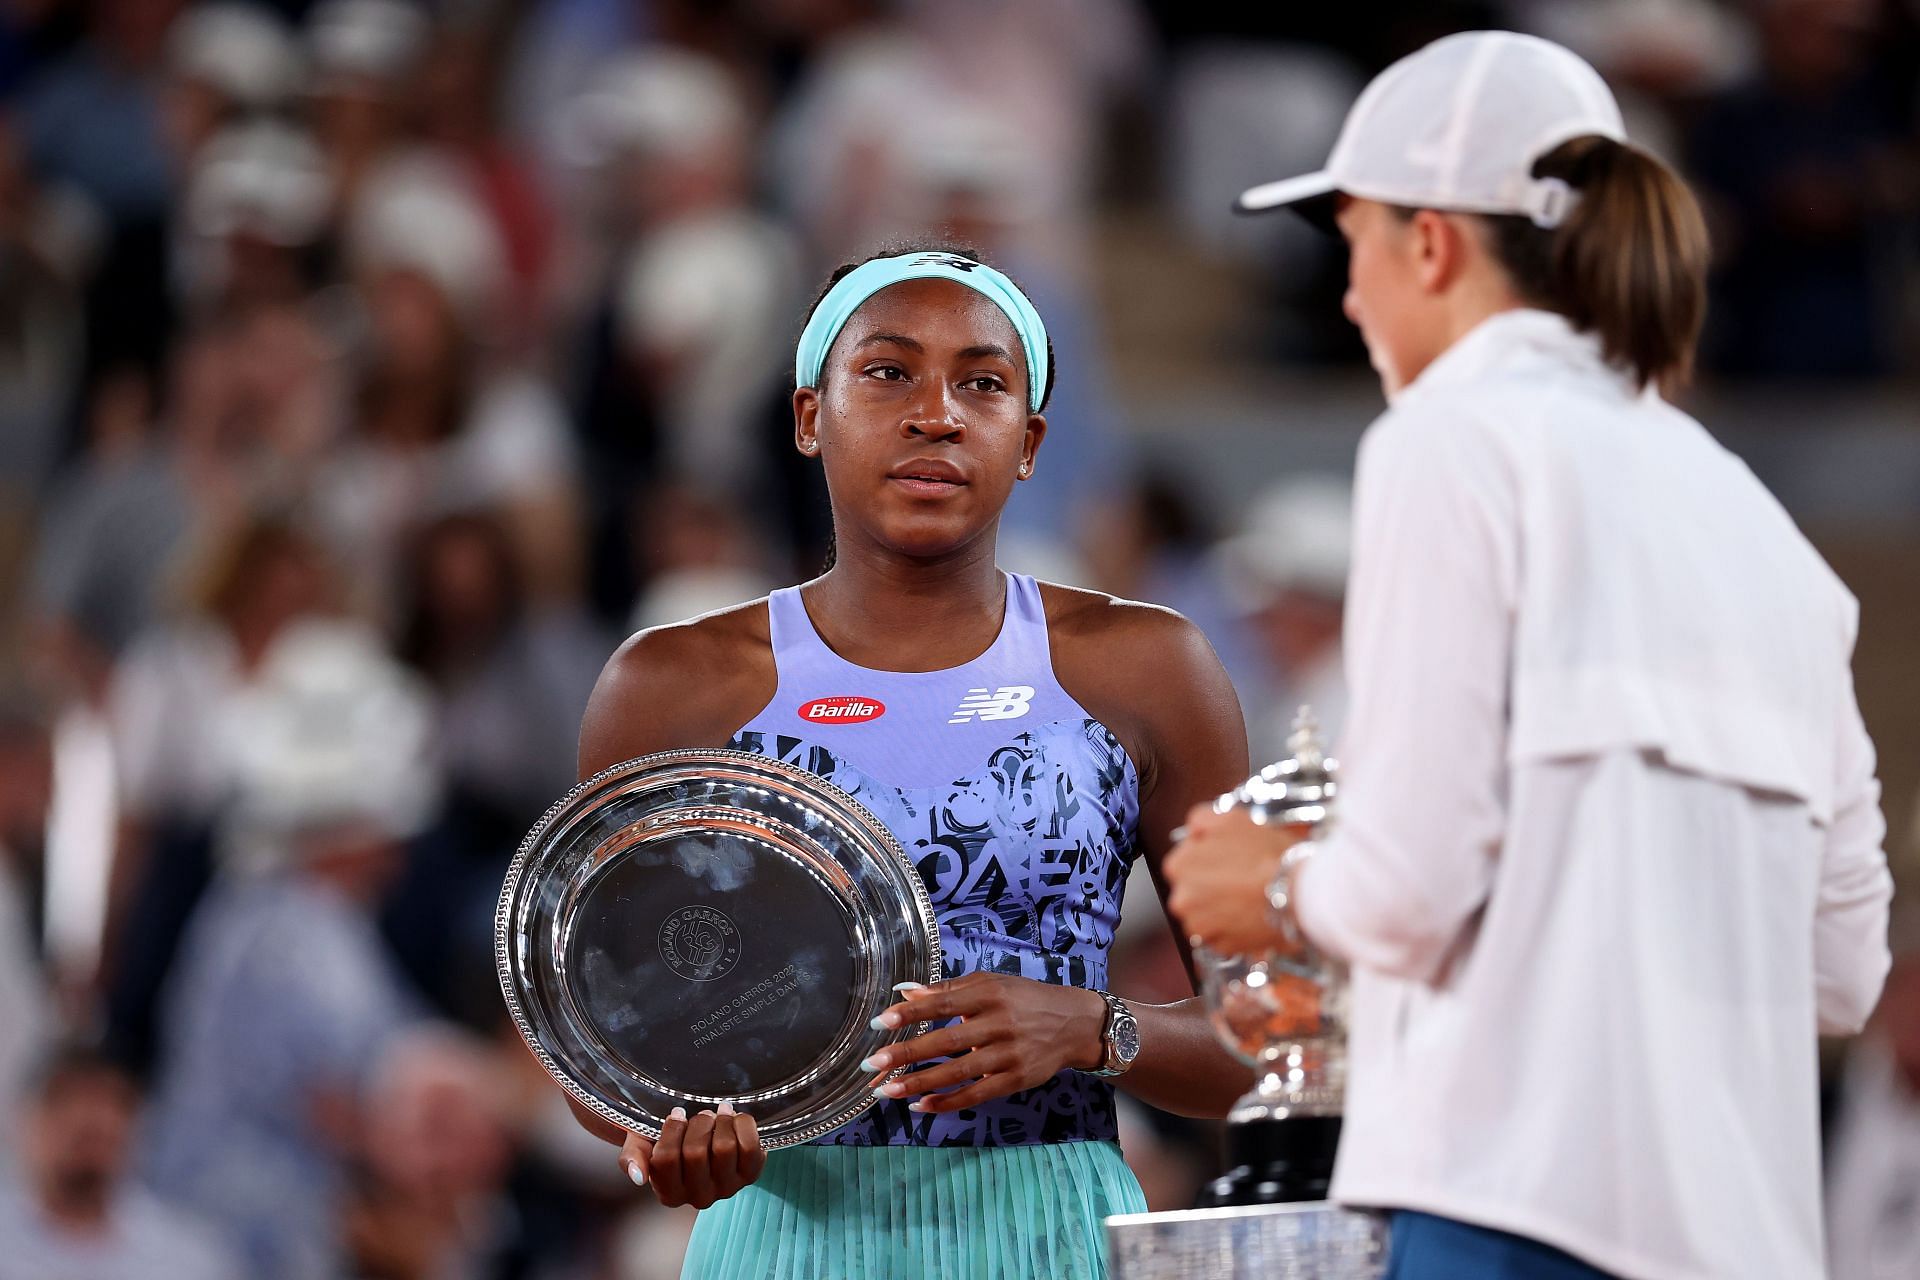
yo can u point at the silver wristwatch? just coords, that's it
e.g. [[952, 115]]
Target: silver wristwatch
[[1120, 1037]]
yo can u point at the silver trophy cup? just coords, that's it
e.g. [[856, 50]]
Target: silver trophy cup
[[1286, 1014], [1267, 1218]]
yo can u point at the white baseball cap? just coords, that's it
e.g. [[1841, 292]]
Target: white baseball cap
[[242, 52], [1297, 536], [1458, 126], [332, 732], [417, 211], [380, 40], [263, 176], [661, 100]]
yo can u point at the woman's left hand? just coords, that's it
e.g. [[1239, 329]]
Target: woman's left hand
[[1010, 1034]]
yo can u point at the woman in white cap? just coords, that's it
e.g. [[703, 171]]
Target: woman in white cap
[[1609, 852]]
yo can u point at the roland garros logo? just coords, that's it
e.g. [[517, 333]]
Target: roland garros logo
[[699, 944], [846, 709]]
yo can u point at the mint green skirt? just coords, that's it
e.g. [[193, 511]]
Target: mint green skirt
[[877, 1213]]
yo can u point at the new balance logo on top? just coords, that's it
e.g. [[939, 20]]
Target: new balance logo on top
[[1009, 702]]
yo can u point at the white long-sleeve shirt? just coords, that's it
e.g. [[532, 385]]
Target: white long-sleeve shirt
[[1609, 844]]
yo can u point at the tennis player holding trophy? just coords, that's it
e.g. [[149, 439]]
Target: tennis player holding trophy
[[822, 940], [1608, 851]]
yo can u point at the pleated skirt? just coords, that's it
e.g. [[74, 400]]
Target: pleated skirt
[[978, 1213]]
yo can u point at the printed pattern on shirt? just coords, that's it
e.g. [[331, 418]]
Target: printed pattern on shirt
[[1025, 863]]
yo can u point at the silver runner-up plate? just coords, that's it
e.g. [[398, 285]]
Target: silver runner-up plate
[[699, 927]]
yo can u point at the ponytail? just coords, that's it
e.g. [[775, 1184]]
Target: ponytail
[[1629, 263]]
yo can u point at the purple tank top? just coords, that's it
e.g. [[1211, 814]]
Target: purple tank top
[[1017, 807]]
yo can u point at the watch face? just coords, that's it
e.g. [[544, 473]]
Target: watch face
[[1126, 1039]]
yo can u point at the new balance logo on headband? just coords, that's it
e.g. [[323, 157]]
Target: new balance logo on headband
[[946, 260], [1009, 702]]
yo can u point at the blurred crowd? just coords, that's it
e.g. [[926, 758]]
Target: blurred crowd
[[370, 368]]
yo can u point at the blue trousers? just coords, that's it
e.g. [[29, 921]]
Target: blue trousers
[[1430, 1248]]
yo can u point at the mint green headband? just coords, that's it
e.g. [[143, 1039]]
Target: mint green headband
[[869, 278]]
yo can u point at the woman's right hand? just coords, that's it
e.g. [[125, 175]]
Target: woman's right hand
[[696, 1161]]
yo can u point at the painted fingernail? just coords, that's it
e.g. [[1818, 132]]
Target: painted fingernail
[[909, 986], [726, 1109], [878, 1062], [886, 1021], [920, 1106], [880, 1091], [678, 1113], [892, 1089], [635, 1172]]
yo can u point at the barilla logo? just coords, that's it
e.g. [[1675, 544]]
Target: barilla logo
[[843, 710]]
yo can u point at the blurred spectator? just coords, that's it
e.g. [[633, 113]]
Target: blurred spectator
[[1873, 1166], [180, 746], [227, 60], [683, 364], [1151, 542], [1653, 53], [92, 122], [683, 594], [705, 302], [459, 117], [75, 1214], [437, 424], [253, 411], [699, 556], [26, 797], [1805, 170], [112, 524], [1226, 98], [512, 679], [285, 998], [256, 204], [437, 1149], [1043, 70], [363, 55], [175, 693], [46, 242], [249, 404], [93, 118], [1289, 570], [558, 47]]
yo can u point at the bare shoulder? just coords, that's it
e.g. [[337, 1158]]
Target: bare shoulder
[[690, 684], [1147, 673], [1110, 631]]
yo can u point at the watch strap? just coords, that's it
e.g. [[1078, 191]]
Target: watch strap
[[1116, 1012]]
